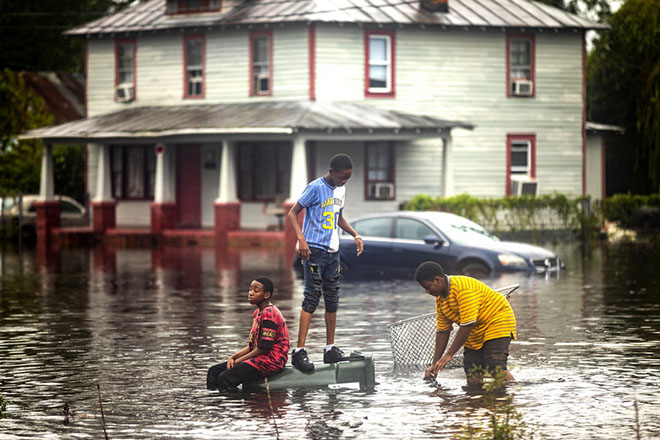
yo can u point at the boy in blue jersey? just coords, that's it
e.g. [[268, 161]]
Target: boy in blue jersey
[[318, 245]]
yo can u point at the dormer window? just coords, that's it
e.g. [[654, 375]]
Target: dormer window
[[192, 6]]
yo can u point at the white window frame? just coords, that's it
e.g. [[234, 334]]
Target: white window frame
[[377, 63], [518, 145]]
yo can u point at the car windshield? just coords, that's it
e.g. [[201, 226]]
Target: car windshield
[[463, 231]]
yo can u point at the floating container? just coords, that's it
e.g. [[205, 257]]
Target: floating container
[[357, 371]]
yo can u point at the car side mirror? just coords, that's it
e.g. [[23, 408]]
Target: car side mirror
[[433, 240]]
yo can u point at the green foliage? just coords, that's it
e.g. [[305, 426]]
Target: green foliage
[[623, 79], [20, 110], [598, 8], [620, 207], [510, 214]]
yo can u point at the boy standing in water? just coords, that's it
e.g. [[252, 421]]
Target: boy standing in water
[[318, 245], [268, 347], [485, 319]]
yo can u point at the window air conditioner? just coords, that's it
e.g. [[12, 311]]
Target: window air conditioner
[[522, 87], [381, 190], [124, 92], [523, 185]]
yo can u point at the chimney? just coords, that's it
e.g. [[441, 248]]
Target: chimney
[[435, 5]]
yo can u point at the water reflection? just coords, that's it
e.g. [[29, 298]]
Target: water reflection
[[146, 324]]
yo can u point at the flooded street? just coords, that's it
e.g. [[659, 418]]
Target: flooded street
[[145, 325]]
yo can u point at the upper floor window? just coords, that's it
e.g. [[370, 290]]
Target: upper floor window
[[194, 56], [261, 63], [125, 51], [379, 171], [191, 6], [379, 54], [521, 161], [520, 65], [133, 171]]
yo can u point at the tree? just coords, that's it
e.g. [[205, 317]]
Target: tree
[[599, 9], [20, 161], [623, 78]]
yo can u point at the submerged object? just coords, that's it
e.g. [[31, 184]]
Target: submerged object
[[359, 369]]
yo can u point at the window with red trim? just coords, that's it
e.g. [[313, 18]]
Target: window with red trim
[[192, 6], [133, 172], [379, 172], [194, 51], [264, 170], [125, 53], [520, 65], [261, 63], [379, 63], [521, 159]]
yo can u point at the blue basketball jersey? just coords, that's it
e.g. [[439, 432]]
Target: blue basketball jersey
[[323, 204]]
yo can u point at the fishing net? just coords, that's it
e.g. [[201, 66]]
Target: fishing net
[[413, 339]]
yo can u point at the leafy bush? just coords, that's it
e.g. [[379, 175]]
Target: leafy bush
[[621, 207]]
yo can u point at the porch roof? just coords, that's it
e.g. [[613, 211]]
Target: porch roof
[[195, 122]]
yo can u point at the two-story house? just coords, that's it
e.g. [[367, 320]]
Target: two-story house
[[200, 111]]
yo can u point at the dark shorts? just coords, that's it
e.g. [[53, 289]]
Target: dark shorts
[[491, 356], [321, 273]]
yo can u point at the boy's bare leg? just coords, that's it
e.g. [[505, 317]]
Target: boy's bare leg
[[330, 326], [305, 322]]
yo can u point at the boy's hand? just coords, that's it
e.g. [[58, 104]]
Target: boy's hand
[[359, 244], [303, 249], [231, 362]]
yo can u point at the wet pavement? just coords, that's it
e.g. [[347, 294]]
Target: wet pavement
[[145, 325]]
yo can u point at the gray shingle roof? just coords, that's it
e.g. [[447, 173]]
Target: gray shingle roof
[[151, 15], [286, 117]]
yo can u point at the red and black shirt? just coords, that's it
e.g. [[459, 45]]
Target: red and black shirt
[[269, 331]]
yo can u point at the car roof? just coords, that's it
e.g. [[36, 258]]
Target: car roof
[[428, 215]]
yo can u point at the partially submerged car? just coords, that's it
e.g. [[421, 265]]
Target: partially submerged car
[[72, 213], [396, 243]]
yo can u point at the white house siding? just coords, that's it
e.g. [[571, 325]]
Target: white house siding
[[133, 213], [461, 75], [594, 164]]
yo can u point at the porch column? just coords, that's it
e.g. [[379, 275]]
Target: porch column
[[48, 209], [298, 182], [103, 206], [227, 206], [163, 209], [447, 167]]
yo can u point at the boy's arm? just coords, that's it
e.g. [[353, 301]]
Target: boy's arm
[[343, 223], [459, 340], [303, 247], [441, 339], [256, 352], [232, 359]]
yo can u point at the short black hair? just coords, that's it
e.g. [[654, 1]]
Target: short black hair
[[267, 283], [341, 162], [427, 271]]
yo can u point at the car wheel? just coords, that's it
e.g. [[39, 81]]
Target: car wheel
[[475, 269]]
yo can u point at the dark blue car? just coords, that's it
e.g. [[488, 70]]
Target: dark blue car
[[396, 243]]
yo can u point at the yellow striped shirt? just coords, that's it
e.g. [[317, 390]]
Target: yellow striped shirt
[[471, 301]]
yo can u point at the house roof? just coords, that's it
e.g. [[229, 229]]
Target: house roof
[[151, 15], [62, 92], [260, 118]]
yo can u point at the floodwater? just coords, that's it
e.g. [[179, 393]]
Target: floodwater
[[145, 326]]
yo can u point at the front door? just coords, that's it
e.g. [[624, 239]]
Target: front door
[[189, 186]]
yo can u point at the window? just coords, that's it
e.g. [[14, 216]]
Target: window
[[264, 170], [192, 6], [521, 161], [379, 54], [520, 65], [261, 67], [409, 229], [379, 171], [374, 227], [133, 171], [194, 47], [125, 70]]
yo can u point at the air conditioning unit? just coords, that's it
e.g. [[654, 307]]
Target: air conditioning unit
[[125, 92], [381, 190], [523, 185], [523, 87]]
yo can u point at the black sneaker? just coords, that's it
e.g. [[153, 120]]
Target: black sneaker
[[300, 360], [334, 355]]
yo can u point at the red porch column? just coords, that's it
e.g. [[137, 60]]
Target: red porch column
[[227, 218], [104, 215], [163, 216]]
